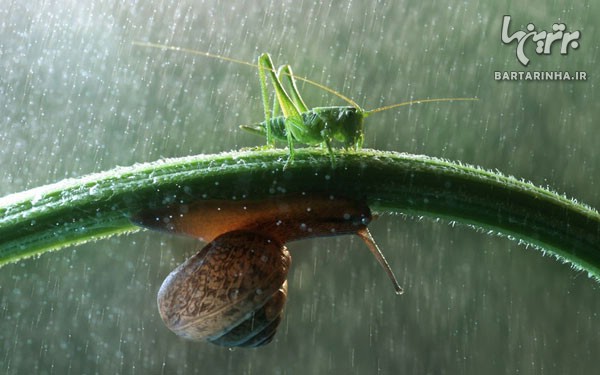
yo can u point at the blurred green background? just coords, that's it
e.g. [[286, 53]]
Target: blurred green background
[[77, 97]]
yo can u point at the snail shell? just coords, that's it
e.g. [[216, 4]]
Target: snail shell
[[231, 293]]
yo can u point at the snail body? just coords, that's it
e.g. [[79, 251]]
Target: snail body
[[233, 291], [286, 218]]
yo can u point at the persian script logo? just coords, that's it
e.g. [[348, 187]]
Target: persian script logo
[[543, 39]]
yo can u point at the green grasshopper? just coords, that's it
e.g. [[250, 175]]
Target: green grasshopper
[[298, 123], [316, 126]]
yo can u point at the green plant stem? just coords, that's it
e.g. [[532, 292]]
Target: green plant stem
[[98, 205]]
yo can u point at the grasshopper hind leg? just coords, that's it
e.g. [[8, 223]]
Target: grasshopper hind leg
[[291, 107]]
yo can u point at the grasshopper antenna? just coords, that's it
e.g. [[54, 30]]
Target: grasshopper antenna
[[229, 59], [417, 101], [303, 79]]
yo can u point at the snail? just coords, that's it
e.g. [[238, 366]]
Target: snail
[[233, 291]]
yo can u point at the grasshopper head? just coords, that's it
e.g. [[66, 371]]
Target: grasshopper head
[[350, 127]]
